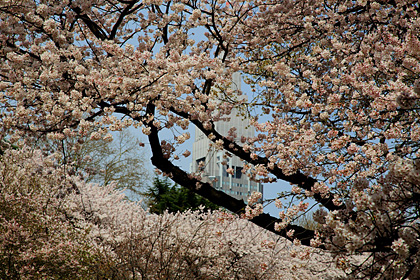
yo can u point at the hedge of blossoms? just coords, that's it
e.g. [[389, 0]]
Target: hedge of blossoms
[[335, 86], [54, 226]]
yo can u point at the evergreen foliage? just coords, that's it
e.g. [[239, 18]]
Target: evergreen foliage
[[163, 195]]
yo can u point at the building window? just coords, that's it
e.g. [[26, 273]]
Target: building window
[[238, 172]]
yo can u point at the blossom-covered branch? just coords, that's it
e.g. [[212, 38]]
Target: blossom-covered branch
[[333, 95]]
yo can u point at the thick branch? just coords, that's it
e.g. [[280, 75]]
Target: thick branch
[[298, 178], [182, 178], [94, 28], [127, 10]]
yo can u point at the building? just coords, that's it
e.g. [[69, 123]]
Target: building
[[237, 185]]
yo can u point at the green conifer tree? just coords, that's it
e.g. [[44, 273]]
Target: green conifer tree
[[163, 195]]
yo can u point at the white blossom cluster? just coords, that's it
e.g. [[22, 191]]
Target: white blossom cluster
[[389, 210], [334, 89], [55, 225]]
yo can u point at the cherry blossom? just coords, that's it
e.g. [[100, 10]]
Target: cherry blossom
[[333, 96], [67, 228]]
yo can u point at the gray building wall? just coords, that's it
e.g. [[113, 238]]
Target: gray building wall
[[237, 185]]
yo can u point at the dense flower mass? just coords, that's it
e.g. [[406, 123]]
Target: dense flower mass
[[56, 226], [333, 95]]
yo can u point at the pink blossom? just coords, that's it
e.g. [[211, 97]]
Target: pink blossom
[[333, 98]]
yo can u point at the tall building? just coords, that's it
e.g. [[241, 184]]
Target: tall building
[[237, 185]]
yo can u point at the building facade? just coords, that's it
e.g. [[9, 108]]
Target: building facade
[[209, 161]]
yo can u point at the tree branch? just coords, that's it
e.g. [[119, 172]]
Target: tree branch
[[181, 177], [93, 27], [298, 178]]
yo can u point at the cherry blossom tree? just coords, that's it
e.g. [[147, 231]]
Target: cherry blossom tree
[[336, 89], [37, 239], [55, 225]]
